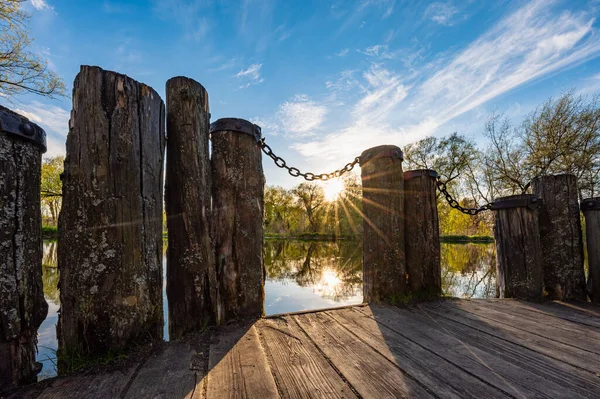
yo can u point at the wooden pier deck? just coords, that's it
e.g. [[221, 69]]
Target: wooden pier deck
[[443, 349]]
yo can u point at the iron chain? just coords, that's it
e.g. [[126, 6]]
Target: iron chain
[[295, 172], [454, 203]]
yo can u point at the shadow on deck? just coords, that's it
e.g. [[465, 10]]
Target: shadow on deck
[[449, 348]]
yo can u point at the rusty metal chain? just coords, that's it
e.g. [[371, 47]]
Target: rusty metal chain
[[295, 172], [454, 203]]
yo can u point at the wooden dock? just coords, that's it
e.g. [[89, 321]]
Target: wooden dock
[[442, 349]]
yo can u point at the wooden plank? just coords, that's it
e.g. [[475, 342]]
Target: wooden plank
[[300, 370], [566, 311], [556, 350], [513, 308], [238, 367], [371, 374], [508, 367], [167, 374], [105, 385], [543, 327], [431, 370]]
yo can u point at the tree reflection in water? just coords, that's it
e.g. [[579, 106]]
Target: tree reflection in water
[[333, 270]]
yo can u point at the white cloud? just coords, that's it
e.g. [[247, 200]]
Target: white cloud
[[442, 13], [533, 42], [250, 76], [342, 53], [54, 120], [253, 72], [301, 116], [40, 5]]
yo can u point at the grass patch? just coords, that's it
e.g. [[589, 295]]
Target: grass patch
[[49, 232], [466, 239]]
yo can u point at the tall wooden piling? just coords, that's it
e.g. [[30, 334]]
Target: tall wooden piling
[[519, 255], [110, 226], [22, 304], [422, 233], [238, 208], [561, 236], [591, 211], [191, 274], [384, 261]]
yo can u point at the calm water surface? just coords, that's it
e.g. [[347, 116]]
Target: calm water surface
[[302, 276]]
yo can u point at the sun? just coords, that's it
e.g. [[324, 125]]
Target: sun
[[333, 189]]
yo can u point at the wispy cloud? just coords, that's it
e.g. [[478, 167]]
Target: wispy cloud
[[378, 50], [250, 76], [40, 5], [442, 13], [301, 116], [342, 53], [533, 42]]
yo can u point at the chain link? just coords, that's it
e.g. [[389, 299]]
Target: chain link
[[295, 172], [454, 203]]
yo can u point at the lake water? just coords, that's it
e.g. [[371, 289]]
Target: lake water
[[302, 276]]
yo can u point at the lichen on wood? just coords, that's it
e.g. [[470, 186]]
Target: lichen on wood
[[110, 227], [22, 304]]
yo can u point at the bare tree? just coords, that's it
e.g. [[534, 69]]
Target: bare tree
[[22, 71]]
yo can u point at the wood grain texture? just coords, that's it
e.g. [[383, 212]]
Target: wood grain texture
[[299, 369], [238, 209], [592, 229], [110, 226], [22, 304], [431, 370], [238, 367], [519, 271], [191, 274], [372, 375], [511, 368], [168, 373], [578, 336], [422, 234], [550, 348], [384, 260], [561, 236], [103, 385]]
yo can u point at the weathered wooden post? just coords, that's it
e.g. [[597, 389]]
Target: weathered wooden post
[[110, 227], [191, 274], [591, 211], [561, 236], [22, 304], [422, 233], [519, 272], [384, 261], [238, 207]]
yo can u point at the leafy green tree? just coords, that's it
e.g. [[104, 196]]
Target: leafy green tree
[[312, 198], [22, 71], [51, 187]]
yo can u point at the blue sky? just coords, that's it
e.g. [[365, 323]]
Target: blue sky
[[328, 79]]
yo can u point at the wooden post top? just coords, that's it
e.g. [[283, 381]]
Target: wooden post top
[[382, 151], [590, 204], [236, 125], [530, 201], [411, 174]]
